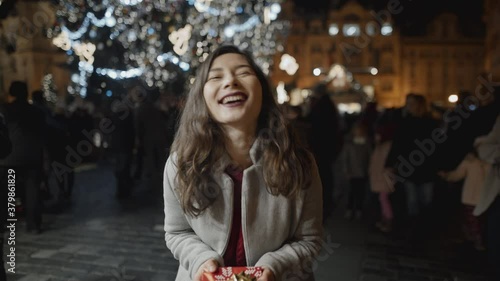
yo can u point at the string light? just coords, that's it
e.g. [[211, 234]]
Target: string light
[[282, 93], [85, 51], [180, 39], [120, 74], [161, 40], [288, 64], [62, 41], [49, 88]]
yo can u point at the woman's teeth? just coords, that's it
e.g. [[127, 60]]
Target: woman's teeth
[[232, 99]]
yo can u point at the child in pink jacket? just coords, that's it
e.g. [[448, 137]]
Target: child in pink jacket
[[380, 182]]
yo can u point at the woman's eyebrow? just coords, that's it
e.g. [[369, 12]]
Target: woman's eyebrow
[[237, 67], [215, 69], [243, 65]]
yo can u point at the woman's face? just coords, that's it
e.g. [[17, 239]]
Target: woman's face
[[233, 93]]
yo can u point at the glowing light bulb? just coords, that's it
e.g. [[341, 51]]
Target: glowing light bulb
[[453, 98]]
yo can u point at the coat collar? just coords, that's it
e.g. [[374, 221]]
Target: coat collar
[[256, 150]]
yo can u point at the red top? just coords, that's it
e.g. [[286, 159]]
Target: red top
[[235, 252]]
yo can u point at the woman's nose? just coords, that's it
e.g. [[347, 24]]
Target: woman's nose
[[230, 80]]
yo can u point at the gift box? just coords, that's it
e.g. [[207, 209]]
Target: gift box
[[233, 274]]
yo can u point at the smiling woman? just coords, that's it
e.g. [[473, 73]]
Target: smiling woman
[[239, 188], [233, 93]]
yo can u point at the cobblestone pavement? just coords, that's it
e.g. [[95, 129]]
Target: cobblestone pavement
[[102, 239]]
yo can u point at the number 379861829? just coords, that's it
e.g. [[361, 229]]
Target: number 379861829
[[11, 186]]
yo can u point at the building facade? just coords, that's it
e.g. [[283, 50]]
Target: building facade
[[27, 54], [442, 62], [492, 20], [390, 65]]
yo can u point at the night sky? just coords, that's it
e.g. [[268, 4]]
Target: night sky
[[416, 13], [412, 20]]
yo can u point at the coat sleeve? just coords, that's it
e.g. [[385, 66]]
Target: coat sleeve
[[180, 238], [459, 173], [489, 147], [305, 245], [396, 149]]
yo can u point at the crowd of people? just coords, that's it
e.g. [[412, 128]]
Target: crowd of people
[[414, 161], [47, 142], [410, 160]]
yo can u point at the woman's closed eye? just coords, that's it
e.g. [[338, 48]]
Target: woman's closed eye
[[216, 77], [244, 73]]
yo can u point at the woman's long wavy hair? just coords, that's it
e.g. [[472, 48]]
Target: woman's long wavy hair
[[199, 145]]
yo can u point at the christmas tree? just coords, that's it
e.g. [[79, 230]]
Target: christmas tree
[[159, 41]]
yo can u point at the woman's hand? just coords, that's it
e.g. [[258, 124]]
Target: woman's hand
[[267, 275], [208, 266]]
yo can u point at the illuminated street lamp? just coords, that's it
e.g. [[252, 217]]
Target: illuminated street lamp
[[453, 98], [317, 72]]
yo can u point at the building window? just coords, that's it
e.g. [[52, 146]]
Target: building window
[[315, 26], [386, 66], [387, 87], [425, 54], [386, 63], [460, 74], [354, 59], [351, 30], [387, 47], [429, 75], [298, 26], [386, 29], [376, 58], [333, 48], [445, 73], [371, 29], [412, 70], [333, 29], [316, 49], [352, 18]]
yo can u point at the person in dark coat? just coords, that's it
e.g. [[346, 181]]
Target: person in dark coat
[[408, 159], [26, 126], [152, 138], [122, 146], [325, 141], [472, 117], [5, 144], [58, 137]]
